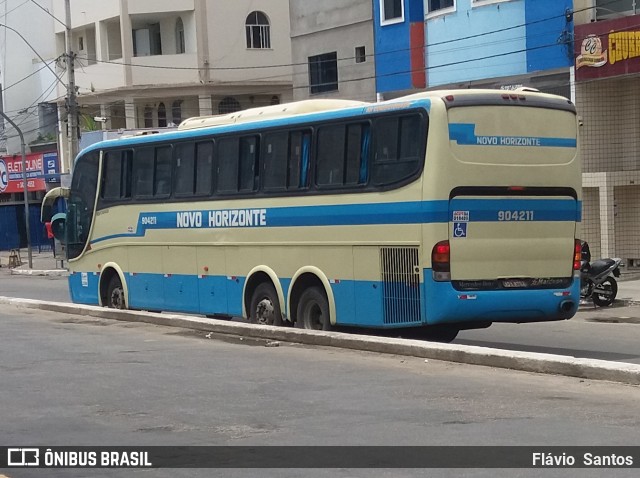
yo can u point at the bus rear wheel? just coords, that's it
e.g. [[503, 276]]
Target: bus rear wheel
[[313, 310], [440, 333], [265, 306], [115, 294]]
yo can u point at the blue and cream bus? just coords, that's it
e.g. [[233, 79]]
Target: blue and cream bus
[[445, 210]]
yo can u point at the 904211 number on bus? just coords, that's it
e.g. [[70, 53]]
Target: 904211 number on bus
[[515, 215]]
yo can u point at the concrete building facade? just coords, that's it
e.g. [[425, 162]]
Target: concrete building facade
[[153, 63], [500, 44], [332, 49]]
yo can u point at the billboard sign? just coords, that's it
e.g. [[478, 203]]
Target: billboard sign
[[607, 48], [39, 166]]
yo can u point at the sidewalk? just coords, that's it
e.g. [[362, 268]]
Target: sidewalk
[[44, 264]]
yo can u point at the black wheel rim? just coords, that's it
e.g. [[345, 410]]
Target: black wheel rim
[[264, 312], [313, 318], [116, 301]]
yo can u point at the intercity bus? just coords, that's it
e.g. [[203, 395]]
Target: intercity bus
[[445, 210]]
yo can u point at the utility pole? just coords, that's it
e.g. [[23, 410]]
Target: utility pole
[[72, 105], [25, 187]]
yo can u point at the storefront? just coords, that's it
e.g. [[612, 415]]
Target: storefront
[[607, 93], [42, 170]]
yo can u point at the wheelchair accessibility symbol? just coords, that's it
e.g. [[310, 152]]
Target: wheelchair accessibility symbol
[[459, 229]]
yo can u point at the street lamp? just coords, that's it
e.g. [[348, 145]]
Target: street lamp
[[25, 187]]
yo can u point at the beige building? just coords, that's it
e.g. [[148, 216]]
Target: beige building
[[607, 96], [153, 63]]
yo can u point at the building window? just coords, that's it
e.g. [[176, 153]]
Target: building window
[[391, 11], [228, 105], [148, 117], [162, 116], [613, 9], [147, 41], [361, 55], [258, 30], [176, 112], [323, 72], [180, 45], [435, 5]]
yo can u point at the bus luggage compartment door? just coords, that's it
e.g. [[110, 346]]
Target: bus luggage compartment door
[[506, 238]]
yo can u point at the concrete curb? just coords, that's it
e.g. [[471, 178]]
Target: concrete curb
[[525, 361], [35, 272]]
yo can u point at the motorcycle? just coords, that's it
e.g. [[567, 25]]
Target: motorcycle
[[597, 278]]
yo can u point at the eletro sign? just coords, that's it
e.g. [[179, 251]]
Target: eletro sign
[[4, 176]]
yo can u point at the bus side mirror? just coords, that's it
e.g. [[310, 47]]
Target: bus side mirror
[[58, 226], [48, 202]]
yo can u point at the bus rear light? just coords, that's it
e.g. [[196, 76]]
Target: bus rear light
[[516, 188], [440, 261], [449, 98], [577, 255]]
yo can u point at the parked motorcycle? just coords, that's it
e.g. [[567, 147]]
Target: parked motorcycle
[[597, 278]]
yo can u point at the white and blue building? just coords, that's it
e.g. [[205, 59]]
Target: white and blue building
[[473, 43]]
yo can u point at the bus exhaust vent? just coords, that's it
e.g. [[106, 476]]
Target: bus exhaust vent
[[400, 285]]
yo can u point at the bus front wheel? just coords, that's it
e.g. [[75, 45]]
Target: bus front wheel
[[265, 306], [115, 294], [313, 310]]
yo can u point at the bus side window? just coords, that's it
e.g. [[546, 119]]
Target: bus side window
[[298, 169], [143, 168], [116, 175], [227, 177], [306, 160], [248, 170], [204, 168], [330, 157], [185, 169], [357, 153], [275, 158], [162, 176], [397, 149]]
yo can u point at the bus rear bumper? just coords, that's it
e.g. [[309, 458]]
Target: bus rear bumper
[[446, 305]]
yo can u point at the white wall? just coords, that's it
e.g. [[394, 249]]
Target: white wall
[[18, 61]]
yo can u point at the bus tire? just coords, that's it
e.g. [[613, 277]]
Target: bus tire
[[264, 306], [313, 310], [115, 294], [440, 333]]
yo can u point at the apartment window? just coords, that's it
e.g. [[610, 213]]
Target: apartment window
[[391, 11], [613, 9], [148, 117], [228, 105], [361, 55], [435, 5], [258, 30], [180, 44], [147, 41], [323, 73], [162, 115], [176, 112]]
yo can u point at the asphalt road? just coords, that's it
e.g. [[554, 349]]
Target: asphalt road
[[611, 333], [70, 380]]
